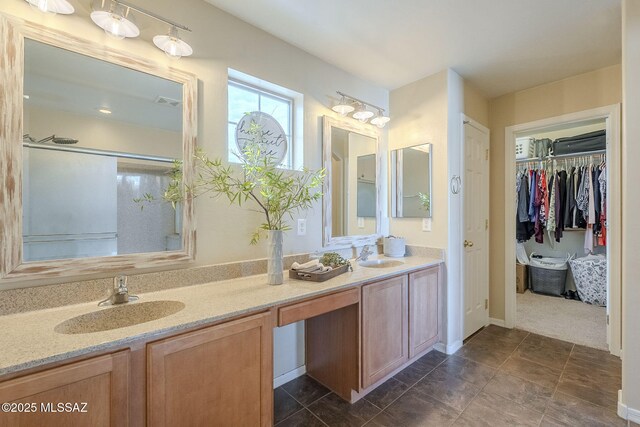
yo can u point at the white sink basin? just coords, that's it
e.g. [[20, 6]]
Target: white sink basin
[[118, 316], [380, 263]]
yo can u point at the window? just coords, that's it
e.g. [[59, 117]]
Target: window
[[244, 98]]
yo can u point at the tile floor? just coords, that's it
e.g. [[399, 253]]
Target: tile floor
[[501, 377]]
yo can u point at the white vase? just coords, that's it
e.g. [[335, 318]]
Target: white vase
[[274, 258]]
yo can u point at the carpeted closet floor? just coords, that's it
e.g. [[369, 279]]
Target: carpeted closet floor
[[567, 320]]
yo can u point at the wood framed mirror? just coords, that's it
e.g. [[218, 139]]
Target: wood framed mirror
[[351, 201], [85, 130]]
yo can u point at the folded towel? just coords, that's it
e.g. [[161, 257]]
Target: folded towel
[[312, 263], [318, 268]]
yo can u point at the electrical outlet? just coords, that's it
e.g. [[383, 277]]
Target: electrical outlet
[[360, 222], [426, 224], [302, 227]]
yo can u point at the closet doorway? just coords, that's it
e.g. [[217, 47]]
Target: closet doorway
[[607, 118]]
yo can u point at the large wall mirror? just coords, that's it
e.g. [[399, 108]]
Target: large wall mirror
[[351, 198], [410, 171], [98, 130]]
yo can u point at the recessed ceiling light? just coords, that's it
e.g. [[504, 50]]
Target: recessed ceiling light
[[104, 110]]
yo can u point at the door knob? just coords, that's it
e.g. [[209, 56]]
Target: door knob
[[468, 243]]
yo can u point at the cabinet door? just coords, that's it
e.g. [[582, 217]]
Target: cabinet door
[[384, 328], [217, 376], [94, 392], [424, 316]]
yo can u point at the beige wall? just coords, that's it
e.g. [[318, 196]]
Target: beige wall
[[418, 116], [590, 90], [221, 41], [476, 104], [630, 203]]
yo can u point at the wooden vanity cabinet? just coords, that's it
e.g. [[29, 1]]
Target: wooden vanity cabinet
[[217, 376], [424, 310], [384, 328], [101, 382]]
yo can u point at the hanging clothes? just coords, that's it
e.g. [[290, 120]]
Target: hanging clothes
[[561, 201], [554, 199]]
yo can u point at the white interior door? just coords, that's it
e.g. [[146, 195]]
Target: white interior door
[[476, 227]]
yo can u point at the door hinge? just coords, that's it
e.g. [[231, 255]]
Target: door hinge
[[607, 319], [486, 154], [486, 224], [486, 304]]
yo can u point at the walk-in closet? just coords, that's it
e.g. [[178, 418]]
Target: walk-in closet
[[561, 230]]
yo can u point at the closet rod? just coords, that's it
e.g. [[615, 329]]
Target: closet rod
[[562, 156], [583, 154]]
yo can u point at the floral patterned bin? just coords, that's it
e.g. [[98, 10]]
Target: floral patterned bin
[[590, 275]]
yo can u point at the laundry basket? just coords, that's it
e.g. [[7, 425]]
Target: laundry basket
[[590, 274], [548, 275]]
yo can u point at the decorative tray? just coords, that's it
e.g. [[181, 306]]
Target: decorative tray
[[318, 277]]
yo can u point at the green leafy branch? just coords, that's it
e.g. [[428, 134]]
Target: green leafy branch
[[272, 191], [425, 201]]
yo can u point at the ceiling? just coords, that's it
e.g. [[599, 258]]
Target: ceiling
[[500, 46]]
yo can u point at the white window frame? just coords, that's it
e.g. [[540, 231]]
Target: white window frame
[[293, 159]]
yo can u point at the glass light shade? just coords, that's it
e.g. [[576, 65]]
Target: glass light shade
[[172, 45], [342, 107], [52, 6], [380, 120], [362, 114], [114, 19]]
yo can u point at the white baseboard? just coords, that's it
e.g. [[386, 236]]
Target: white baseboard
[[448, 349], [627, 413], [289, 376], [497, 322]]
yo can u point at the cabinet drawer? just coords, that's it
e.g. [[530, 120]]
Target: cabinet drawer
[[317, 306]]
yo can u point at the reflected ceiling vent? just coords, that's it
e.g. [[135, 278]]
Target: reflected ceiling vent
[[170, 102]]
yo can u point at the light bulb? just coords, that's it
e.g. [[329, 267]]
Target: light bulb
[[114, 28], [114, 19], [342, 107], [52, 6], [172, 45], [380, 120], [362, 114]]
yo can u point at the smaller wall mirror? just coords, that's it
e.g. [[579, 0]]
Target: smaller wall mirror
[[351, 201], [410, 171]]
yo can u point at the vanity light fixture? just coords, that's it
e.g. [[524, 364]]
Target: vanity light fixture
[[361, 113], [172, 44], [62, 7], [116, 18]]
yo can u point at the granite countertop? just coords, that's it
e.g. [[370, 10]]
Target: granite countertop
[[29, 339]]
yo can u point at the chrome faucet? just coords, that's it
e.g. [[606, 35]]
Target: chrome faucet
[[120, 293], [364, 254]]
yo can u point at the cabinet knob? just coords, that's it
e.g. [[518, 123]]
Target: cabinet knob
[[468, 243]]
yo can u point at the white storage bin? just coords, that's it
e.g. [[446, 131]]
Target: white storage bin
[[525, 148], [590, 274]]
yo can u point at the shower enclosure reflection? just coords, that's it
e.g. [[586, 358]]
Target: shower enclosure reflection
[[96, 136]]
